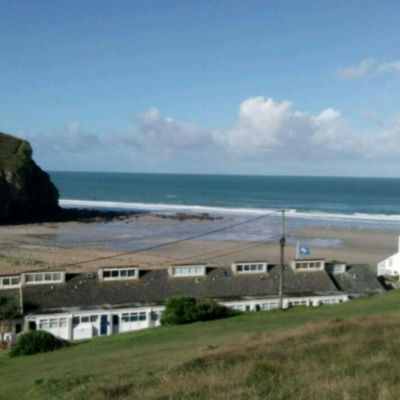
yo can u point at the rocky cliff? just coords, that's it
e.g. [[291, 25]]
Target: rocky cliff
[[26, 192]]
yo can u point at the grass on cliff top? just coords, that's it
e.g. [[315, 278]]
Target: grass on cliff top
[[343, 352], [13, 152]]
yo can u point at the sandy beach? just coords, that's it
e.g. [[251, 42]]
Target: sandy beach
[[77, 246]]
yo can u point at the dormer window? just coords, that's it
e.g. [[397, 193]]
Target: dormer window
[[187, 270], [308, 265], [250, 268], [109, 274], [31, 278], [335, 268], [9, 282]]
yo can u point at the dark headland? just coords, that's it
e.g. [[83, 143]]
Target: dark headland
[[27, 194], [26, 191]]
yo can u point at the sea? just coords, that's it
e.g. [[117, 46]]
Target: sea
[[361, 203]]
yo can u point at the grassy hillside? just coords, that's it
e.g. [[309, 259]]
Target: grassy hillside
[[347, 351], [14, 152]]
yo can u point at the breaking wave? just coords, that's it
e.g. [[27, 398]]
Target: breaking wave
[[319, 215]]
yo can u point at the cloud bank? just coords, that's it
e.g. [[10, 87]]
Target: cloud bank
[[161, 134], [73, 139], [264, 129]]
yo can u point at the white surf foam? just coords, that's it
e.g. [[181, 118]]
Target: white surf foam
[[226, 210]]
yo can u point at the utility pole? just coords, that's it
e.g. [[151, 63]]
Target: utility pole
[[282, 243]]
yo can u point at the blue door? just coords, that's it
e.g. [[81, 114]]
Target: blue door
[[104, 325]]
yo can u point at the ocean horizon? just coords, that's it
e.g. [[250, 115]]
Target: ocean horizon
[[355, 200]]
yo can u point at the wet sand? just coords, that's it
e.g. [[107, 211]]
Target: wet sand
[[37, 246]]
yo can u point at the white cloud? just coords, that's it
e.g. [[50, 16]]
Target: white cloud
[[266, 127], [261, 124], [389, 67], [329, 130], [158, 133], [356, 71], [71, 140], [366, 67], [266, 130], [381, 143]]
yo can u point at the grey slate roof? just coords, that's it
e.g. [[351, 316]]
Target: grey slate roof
[[154, 287], [358, 279]]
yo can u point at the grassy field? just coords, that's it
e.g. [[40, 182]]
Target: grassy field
[[348, 352]]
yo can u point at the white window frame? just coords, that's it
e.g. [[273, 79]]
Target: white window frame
[[44, 324], [36, 280], [188, 270], [309, 265], [339, 268], [134, 316], [269, 306], [298, 303], [251, 268], [120, 272], [92, 319], [10, 279], [329, 301]]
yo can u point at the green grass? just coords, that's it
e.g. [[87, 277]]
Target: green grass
[[249, 356], [13, 152]]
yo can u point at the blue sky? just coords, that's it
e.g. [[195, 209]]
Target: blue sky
[[253, 87]]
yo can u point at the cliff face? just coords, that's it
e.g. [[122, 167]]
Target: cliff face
[[26, 192]]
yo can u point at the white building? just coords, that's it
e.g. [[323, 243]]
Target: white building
[[114, 300], [390, 266]]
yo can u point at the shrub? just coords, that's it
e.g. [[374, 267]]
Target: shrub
[[178, 310], [34, 342], [208, 310], [185, 309], [8, 311]]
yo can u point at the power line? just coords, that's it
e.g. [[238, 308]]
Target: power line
[[172, 242], [235, 252], [255, 244], [165, 244]]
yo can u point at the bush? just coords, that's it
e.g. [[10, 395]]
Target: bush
[[34, 342], [208, 309], [184, 310]]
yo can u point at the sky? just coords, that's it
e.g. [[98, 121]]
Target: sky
[[277, 87]]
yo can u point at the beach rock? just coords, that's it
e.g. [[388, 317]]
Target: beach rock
[[26, 191], [189, 217]]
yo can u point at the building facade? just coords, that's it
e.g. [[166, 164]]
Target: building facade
[[115, 300], [390, 266]]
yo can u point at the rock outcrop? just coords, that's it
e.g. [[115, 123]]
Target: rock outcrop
[[26, 191]]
